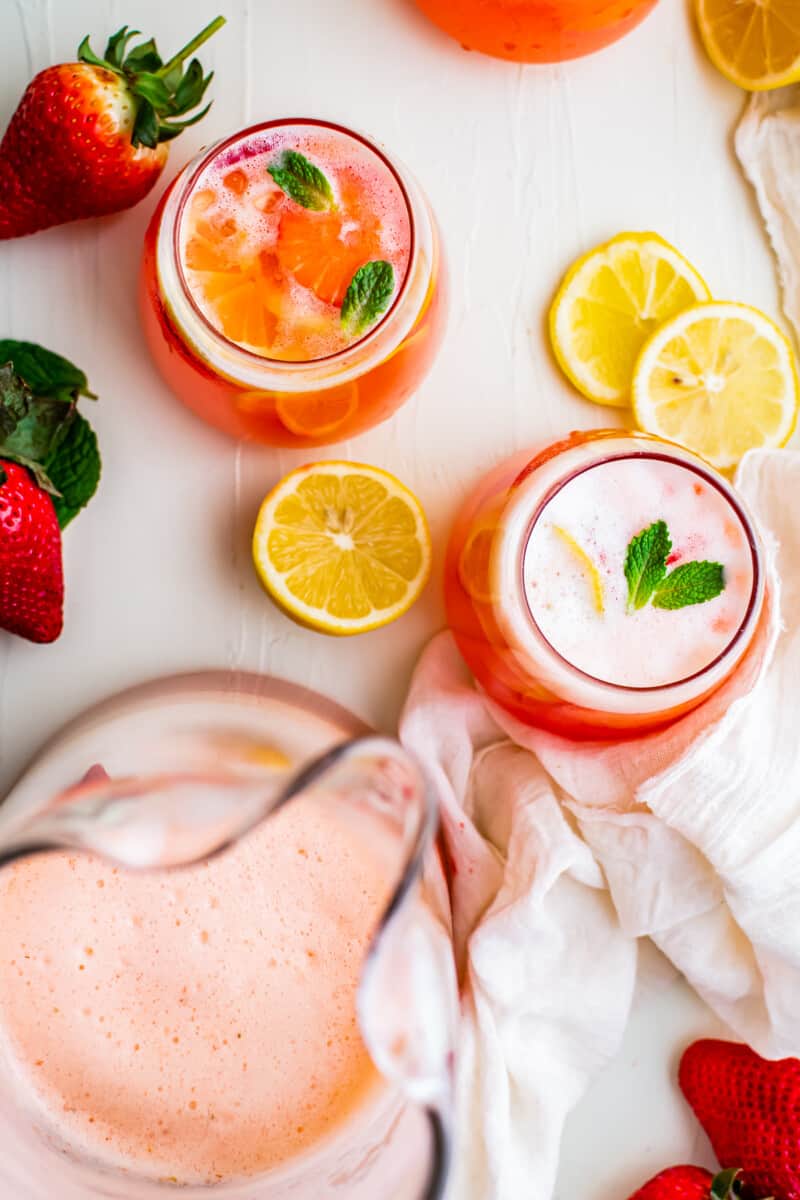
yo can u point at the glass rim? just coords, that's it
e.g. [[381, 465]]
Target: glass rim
[[756, 592], [187, 189]]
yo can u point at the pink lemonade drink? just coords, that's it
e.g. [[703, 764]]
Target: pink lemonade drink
[[275, 1021], [201, 1025], [608, 584], [291, 287]]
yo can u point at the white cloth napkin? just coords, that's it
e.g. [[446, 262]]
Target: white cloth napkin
[[768, 148], [562, 855]]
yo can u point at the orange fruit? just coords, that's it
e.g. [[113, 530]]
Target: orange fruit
[[323, 250], [318, 413]]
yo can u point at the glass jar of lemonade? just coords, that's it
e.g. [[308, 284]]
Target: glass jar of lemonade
[[292, 287], [605, 585], [536, 30], [273, 1022]]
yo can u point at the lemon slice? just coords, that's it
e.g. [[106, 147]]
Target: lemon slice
[[342, 547], [754, 43], [610, 302], [589, 569], [720, 379]]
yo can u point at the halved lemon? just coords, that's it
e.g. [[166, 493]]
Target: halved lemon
[[342, 547], [720, 379], [608, 305], [754, 43]]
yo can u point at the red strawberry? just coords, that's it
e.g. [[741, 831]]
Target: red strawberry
[[90, 137], [31, 578], [688, 1183], [750, 1109]]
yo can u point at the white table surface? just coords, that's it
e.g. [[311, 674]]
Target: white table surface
[[526, 167]]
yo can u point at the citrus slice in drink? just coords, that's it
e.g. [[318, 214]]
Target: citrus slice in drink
[[610, 302], [754, 43], [317, 414], [323, 250], [720, 379], [342, 547]]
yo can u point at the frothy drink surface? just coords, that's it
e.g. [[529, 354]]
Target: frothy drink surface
[[603, 508], [200, 1024], [270, 274]]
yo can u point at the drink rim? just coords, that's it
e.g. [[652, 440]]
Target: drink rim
[[728, 494], [187, 190]]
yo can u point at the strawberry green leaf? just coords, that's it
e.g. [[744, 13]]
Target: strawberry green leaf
[[171, 129], [31, 427], [646, 562], [367, 296], [143, 58], [302, 181], [74, 469], [86, 54], [46, 373], [727, 1184], [3, 477], [145, 129], [153, 89], [192, 87], [691, 583], [117, 43]]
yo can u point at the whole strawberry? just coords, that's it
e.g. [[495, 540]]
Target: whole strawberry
[[31, 578], [750, 1109], [90, 137], [689, 1183]]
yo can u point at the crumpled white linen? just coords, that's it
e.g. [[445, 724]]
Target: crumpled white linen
[[768, 148], [562, 855]]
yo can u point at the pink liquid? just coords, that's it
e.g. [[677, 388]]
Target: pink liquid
[[197, 1025], [247, 246]]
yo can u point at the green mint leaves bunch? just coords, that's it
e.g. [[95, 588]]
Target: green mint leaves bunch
[[370, 290], [41, 428], [648, 580]]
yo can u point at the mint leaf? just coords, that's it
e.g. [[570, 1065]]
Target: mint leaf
[[646, 562], [31, 427], [74, 468], [367, 296], [46, 373], [691, 583], [302, 181]]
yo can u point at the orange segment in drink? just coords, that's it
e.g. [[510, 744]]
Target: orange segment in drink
[[324, 250], [272, 240]]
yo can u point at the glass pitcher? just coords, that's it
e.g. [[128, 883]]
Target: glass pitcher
[[171, 773]]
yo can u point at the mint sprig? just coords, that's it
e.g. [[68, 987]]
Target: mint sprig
[[368, 296], [691, 583], [40, 427], [302, 181], [646, 572], [646, 562]]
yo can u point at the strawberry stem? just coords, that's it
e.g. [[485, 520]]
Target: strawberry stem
[[191, 46]]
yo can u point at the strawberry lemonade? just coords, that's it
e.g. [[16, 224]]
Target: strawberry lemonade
[[198, 1025], [611, 582], [292, 286]]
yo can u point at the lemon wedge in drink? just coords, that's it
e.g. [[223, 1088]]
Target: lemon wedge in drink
[[341, 547], [587, 564], [609, 303], [754, 43], [720, 379]]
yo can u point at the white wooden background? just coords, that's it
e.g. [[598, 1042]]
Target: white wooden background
[[526, 167]]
